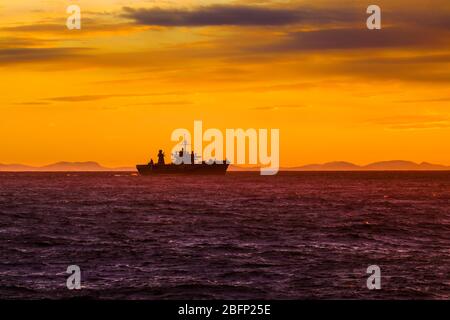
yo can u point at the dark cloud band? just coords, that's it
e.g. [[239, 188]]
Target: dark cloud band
[[219, 15]]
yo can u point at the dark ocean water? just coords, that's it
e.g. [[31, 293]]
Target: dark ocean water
[[292, 236]]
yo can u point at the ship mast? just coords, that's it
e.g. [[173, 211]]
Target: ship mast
[[185, 144]]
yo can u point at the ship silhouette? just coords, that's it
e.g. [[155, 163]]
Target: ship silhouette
[[183, 162]]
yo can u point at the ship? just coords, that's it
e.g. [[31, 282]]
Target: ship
[[183, 162]]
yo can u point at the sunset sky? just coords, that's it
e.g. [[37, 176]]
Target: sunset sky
[[114, 91]]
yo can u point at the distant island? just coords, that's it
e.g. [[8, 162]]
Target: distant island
[[393, 165], [90, 166]]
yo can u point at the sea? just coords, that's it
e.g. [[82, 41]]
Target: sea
[[297, 235]]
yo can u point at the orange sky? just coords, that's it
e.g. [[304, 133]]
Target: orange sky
[[114, 91]]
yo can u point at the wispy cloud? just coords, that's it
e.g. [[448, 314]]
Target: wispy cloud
[[353, 38], [33, 103], [278, 107], [87, 98], [90, 27], [446, 99], [413, 122], [24, 55]]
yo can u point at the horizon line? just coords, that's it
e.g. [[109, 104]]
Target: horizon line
[[93, 166]]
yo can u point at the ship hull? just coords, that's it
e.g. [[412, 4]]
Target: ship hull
[[188, 169]]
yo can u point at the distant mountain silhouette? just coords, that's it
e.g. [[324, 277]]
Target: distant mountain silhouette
[[15, 167], [63, 166], [330, 166], [74, 166], [403, 165], [394, 165]]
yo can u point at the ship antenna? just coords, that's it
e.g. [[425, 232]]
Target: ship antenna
[[185, 144]]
